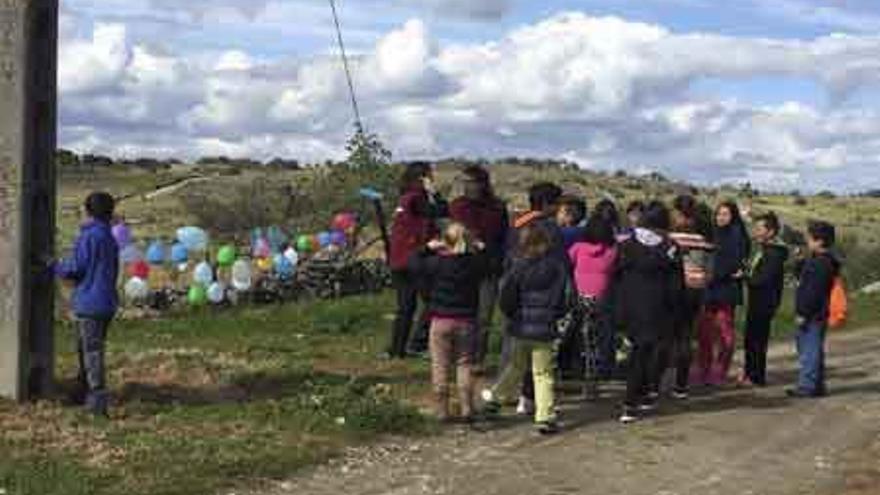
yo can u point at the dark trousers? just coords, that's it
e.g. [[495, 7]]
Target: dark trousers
[[758, 324], [640, 376], [407, 289], [677, 351], [608, 339], [91, 338]]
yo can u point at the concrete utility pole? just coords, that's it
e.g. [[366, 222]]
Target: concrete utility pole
[[28, 66]]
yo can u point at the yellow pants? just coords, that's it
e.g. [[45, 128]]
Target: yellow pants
[[543, 356]]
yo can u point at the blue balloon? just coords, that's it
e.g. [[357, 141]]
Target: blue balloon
[[194, 238], [337, 238], [179, 254], [276, 238], [283, 266], [156, 253], [324, 239]]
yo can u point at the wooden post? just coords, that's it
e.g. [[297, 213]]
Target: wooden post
[[28, 66]]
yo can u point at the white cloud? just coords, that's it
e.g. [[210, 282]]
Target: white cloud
[[610, 92]]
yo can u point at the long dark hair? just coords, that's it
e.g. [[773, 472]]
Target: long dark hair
[[656, 216], [607, 211], [599, 231], [481, 176], [413, 175], [698, 213], [736, 224]]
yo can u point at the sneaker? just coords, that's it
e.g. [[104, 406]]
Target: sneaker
[[547, 428], [648, 405], [491, 407], [653, 396], [628, 416], [680, 394], [525, 407]]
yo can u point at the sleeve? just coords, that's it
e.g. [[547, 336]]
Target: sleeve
[[75, 267], [728, 260], [423, 263], [812, 293], [508, 299]]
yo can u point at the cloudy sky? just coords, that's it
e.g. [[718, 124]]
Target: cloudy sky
[[783, 93]]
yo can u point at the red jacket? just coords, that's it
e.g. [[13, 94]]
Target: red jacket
[[487, 221], [414, 225]]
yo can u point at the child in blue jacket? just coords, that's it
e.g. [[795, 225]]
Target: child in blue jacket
[[94, 268]]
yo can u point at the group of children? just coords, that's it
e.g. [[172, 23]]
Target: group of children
[[568, 282]]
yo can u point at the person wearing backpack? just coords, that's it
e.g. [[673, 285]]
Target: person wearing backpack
[[812, 306], [765, 279], [689, 231], [650, 289]]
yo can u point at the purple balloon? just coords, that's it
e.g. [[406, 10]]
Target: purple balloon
[[122, 234], [337, 238]]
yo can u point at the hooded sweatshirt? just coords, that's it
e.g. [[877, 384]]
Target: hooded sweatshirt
[[813, 297], [593, 267], [766, 279], [94, 267]]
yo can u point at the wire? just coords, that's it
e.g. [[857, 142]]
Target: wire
[[354, 103]]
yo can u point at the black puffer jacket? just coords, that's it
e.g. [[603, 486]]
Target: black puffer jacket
[[766, 280], [535, 294], [452, 281], [651, 286]]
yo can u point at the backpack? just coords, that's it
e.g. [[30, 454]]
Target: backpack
[[838, 305]]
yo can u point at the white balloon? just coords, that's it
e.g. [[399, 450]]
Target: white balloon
[[183, 267], [242, 275], [216, 293], [292, 256], [203, 274], [136, 289]]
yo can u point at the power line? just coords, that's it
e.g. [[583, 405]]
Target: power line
[[354, 102]]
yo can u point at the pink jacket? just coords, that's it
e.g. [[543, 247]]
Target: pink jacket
[[593, 267]]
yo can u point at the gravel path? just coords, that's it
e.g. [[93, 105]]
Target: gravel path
[[731, 442]]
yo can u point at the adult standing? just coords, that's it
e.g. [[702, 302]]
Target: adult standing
[[485, 216], [415, 223], [717, 332]]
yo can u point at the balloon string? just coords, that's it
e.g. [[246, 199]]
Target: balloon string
[[345, 66]]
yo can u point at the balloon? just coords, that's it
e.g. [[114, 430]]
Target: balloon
[[242, 275], [156, 253], [292, 256], [136, 289], [182, 267], [130, 254], [179, 254], [226, 256], [197, 295], [216, 293], [283, 267], [264, 264], [316, 243], [337, 238], [139, 269], [203, 274], [304, 244], [194, 238], [262, 249], [344, 221], [324, 239], [122, 234]]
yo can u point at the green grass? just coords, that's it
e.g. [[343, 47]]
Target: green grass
[[209, 401]]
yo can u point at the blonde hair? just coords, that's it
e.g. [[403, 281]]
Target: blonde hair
[[457, 238]]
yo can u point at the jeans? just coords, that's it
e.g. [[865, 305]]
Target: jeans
[[91, 338], [453, 343], [407, 303], [811, 357], [758, 324], [543, 359]]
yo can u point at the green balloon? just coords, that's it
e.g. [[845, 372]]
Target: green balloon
[[304, 244], [197, 296], [226, 256]]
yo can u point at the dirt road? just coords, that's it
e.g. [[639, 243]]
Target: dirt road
[[730, 442]]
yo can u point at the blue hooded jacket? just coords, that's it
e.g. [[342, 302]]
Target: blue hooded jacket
[[95, 268]]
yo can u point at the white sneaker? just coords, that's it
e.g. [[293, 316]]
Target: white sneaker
[[525, 407], [487, 395], [628, 417]]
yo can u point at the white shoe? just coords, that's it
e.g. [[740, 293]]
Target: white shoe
[[487, 395], [525, 407], [628, 417]]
